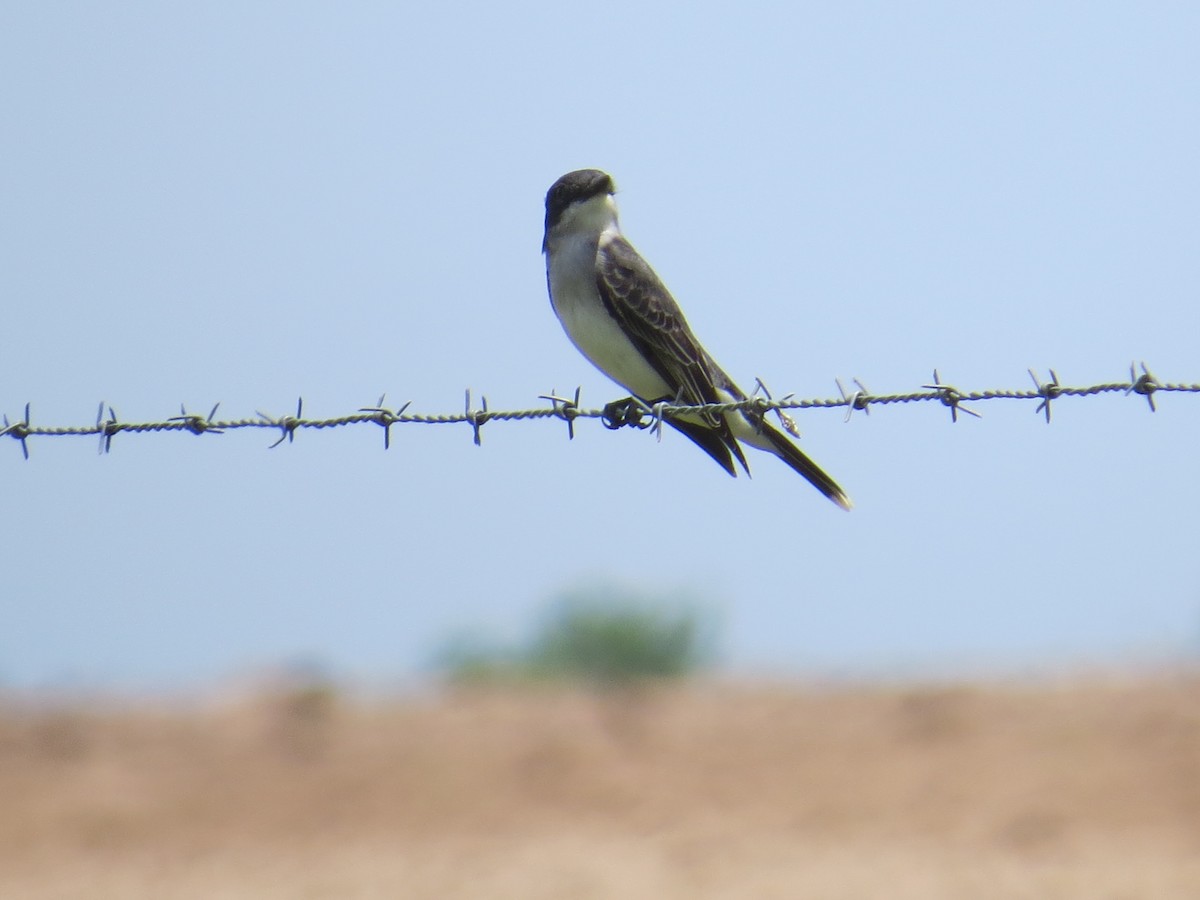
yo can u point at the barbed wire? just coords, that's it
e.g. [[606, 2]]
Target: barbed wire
[[629, 412]]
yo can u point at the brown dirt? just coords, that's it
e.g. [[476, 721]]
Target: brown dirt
[[1080, 790]]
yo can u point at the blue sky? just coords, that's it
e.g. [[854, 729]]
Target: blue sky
[[250, 202]]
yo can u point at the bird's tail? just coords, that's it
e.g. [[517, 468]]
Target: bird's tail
[[794, 457]]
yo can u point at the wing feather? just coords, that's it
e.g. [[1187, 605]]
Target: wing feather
[[636, 297], [647, 312]]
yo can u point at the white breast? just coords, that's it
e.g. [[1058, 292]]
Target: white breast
[[571, 276]]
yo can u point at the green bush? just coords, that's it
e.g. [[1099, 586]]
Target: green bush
[[600, 638]]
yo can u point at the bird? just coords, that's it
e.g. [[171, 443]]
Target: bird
[[621, 317]]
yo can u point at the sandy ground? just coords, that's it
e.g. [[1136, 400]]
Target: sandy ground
[[1085, 789]]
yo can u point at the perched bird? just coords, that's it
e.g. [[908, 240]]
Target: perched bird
[[621, 317]]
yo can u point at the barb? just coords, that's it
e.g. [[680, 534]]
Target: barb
[[860, 399], [1046, 391], [385, 417], [568, 411], [617, 414], [288, 424], [476, 417], [1144, 384], [19, 430], [788, 423], [197, 424], [951, 397]]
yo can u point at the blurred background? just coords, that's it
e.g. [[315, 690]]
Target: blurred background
[[250, 203]]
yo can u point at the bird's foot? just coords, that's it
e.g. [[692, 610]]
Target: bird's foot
[[619, 413]]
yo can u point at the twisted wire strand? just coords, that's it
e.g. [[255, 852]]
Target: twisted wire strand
[[568, 409]]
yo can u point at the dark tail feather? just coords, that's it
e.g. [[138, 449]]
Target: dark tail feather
[[724, 448], [721, 447], [794, 457]]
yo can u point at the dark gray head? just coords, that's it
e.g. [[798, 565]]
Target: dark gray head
[[582, 184]]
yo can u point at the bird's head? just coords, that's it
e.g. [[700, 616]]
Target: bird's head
[[580, 201]]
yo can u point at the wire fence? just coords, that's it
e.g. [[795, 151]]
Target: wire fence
[[630, 412]]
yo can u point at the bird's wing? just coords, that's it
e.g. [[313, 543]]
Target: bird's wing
[[649, 315]]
